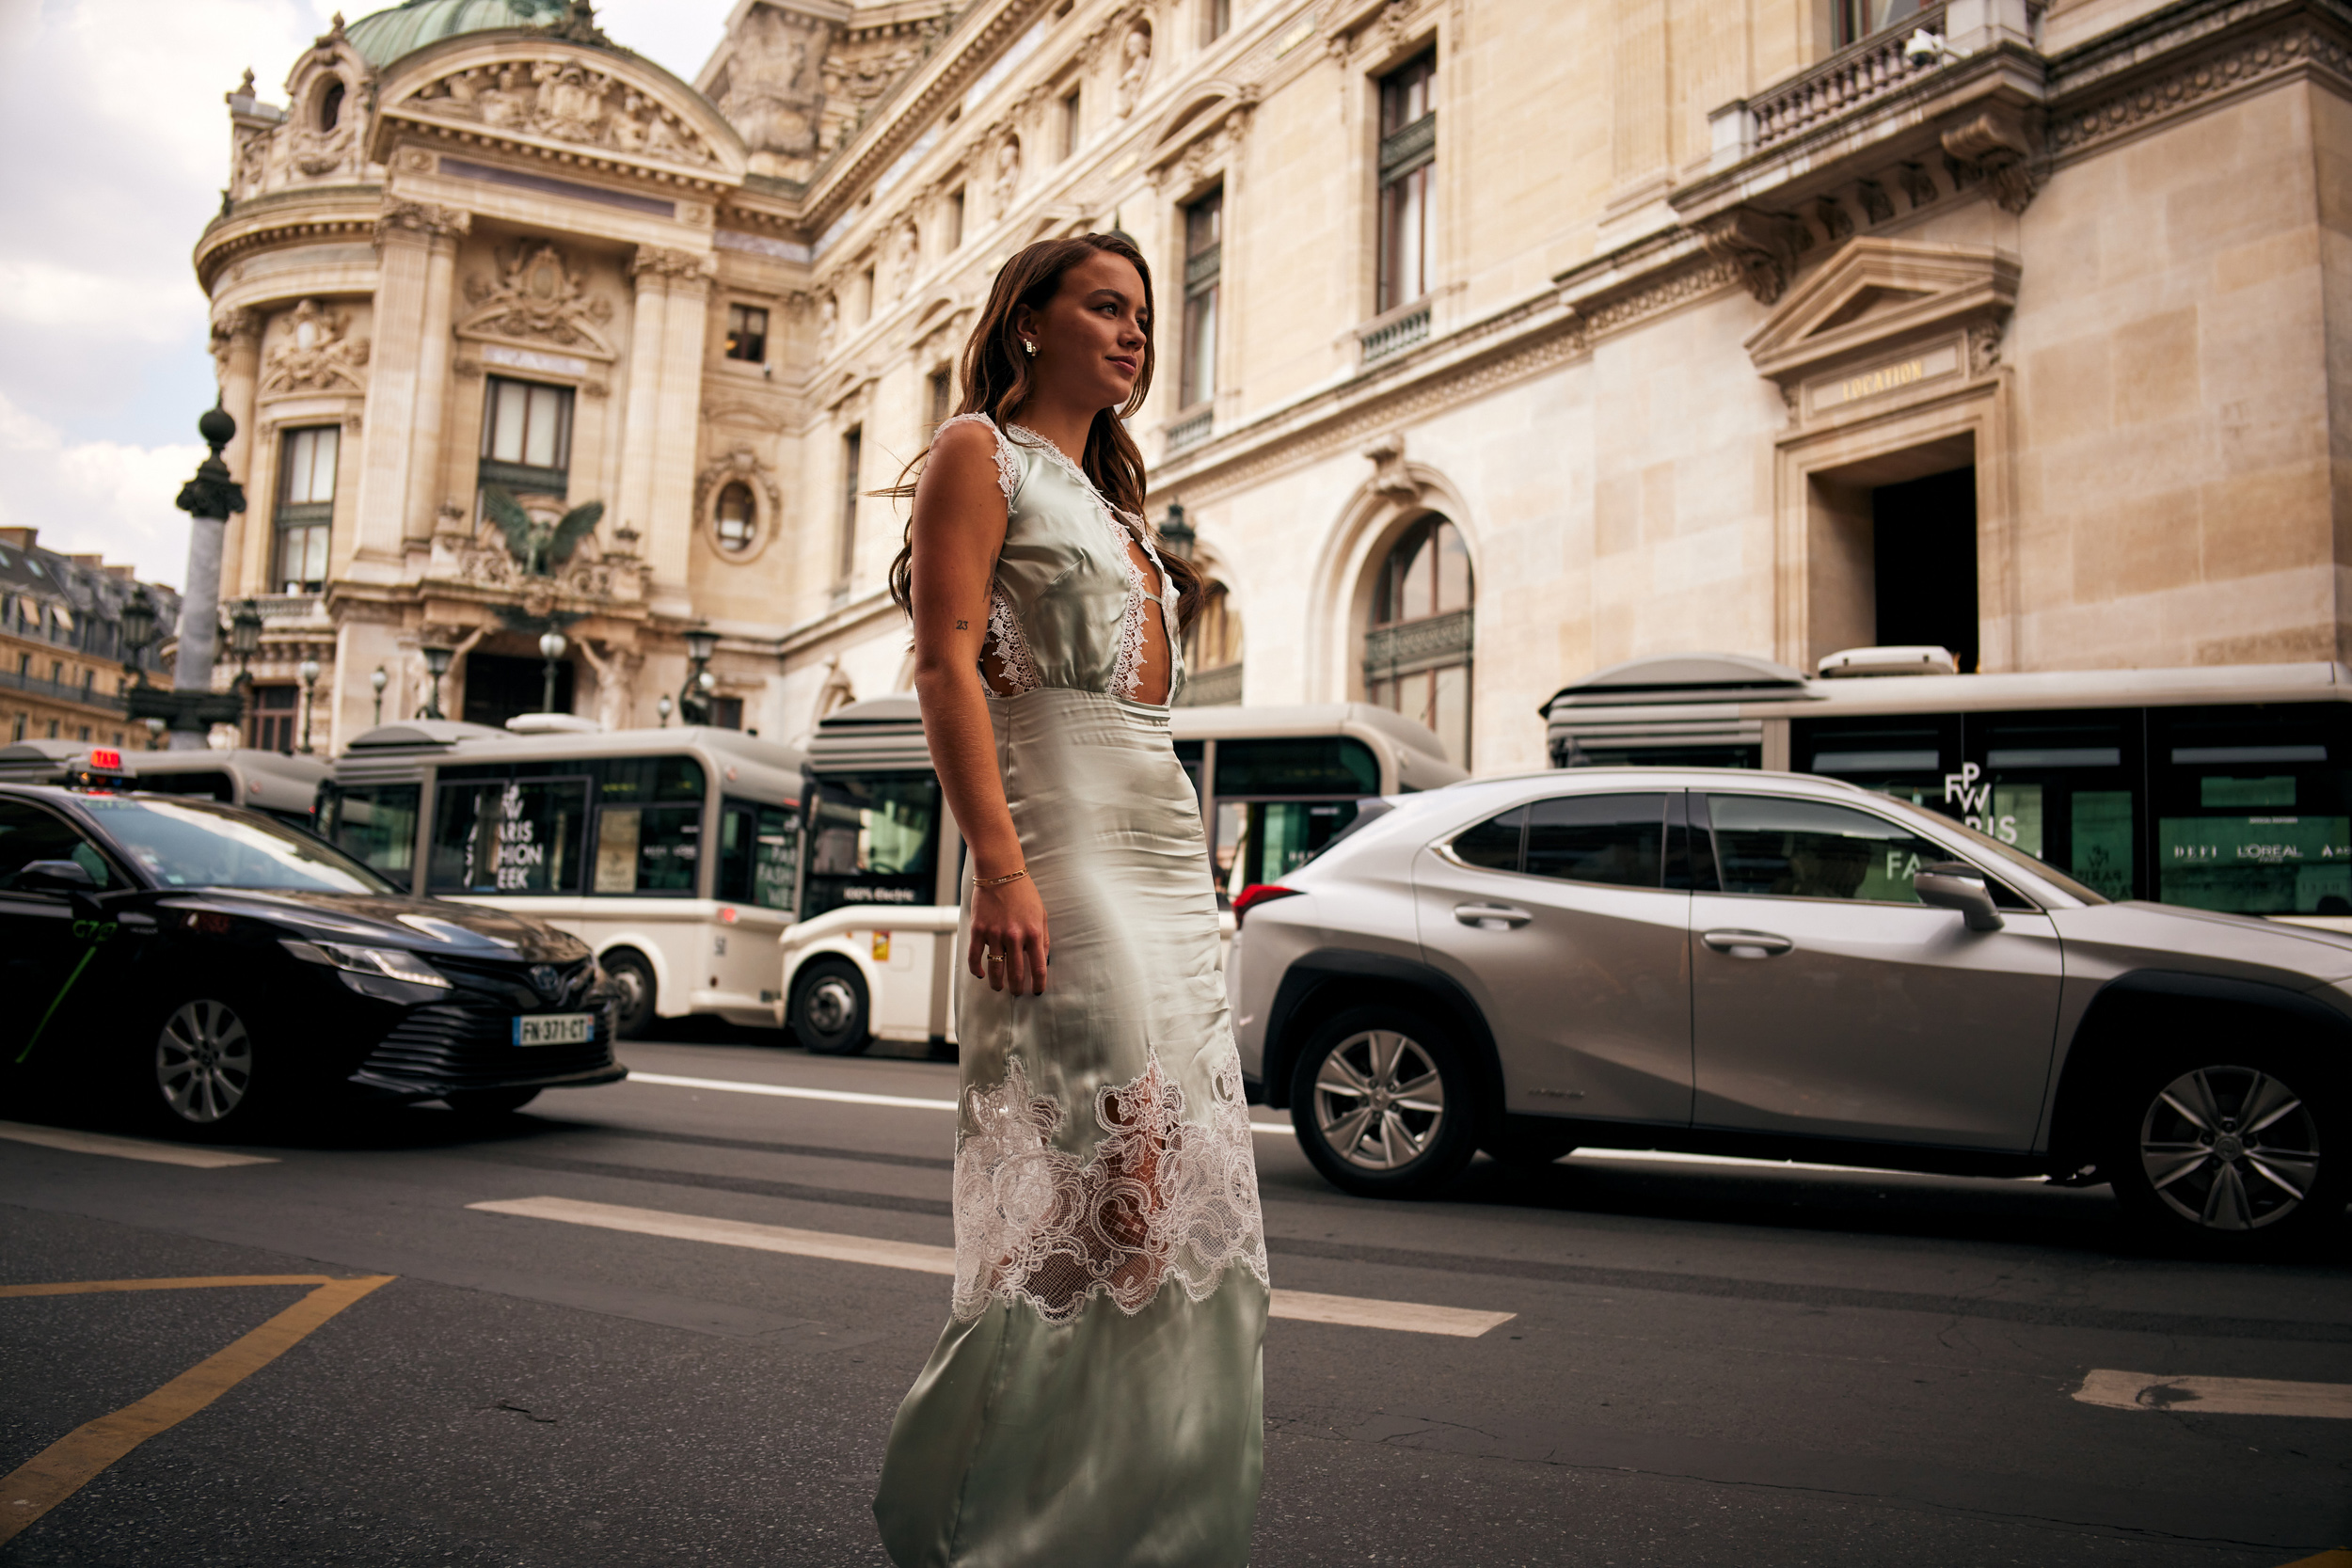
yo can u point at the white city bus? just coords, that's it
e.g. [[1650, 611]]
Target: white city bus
[[2221, 788], [601, 834], [285, 785], [872, 956]]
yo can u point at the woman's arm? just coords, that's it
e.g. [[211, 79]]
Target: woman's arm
[[958, 528]]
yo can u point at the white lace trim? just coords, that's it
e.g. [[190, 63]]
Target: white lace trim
[[1127, 669], [1008, 461], [1007, 643], [1159, 1198]]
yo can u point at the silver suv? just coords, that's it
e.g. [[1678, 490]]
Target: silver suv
[[1792, 967]]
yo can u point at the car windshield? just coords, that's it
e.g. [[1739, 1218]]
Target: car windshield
[[2010, 852], [186, 843]]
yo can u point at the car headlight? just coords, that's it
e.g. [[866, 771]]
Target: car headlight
[[390, 963]]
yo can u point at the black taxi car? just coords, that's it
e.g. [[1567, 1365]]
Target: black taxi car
[[208, 966]]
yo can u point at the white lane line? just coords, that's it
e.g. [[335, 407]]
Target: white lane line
[[840, 1097], [129, 1148], [2216, 1395], [1304, 1307]]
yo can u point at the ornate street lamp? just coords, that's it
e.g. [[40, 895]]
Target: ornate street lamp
[[662, 709], [137, 623], [379, 680], [694, 698], [436, 665], [551, 646], [309, 671], [245, 636], [192, 707], [1176, 533]]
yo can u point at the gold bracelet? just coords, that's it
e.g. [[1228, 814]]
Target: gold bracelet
[[1000, 882]]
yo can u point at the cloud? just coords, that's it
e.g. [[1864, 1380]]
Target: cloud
[[119, 144], [96, 496]]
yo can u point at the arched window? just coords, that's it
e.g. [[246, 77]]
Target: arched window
[[1417, 651], [331, 105], [1213, 650], [737, 518]]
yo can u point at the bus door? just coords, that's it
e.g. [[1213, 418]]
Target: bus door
[[376, 824]]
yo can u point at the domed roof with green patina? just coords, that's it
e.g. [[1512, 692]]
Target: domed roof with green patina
[[386, 35]]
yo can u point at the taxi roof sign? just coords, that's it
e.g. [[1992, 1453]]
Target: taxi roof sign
[[101, 769]]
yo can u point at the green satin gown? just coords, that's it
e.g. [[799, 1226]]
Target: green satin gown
[[1095, 1400]]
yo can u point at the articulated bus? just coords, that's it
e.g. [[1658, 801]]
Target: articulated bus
[[601, 835], [285, 785], [2224, 788], [873, 954]]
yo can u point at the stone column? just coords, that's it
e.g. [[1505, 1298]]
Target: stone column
[[210, 499], [433, 365], [237, 359], [642, 413], [404, 242]]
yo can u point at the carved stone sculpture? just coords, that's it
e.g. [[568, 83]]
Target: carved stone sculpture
[[1993, 146], [314, 354], [536, 295], [1007, 178], [1135, 64], [565, 101]]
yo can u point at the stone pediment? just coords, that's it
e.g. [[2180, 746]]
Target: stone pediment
[[1878, 296], [528, 89], [538, 302]]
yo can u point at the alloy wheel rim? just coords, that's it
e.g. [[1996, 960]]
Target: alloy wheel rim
[[1379, 1101], [204, 1062], [632, 988], [828, 1006], [2230, 1147]]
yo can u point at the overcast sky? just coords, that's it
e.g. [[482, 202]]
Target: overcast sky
[[120, 146]]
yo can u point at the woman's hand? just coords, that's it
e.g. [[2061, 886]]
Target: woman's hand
[[1010, 923]]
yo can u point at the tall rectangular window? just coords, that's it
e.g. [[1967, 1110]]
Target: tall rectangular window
[[852, 441], [1859, 19], [1216, 18], [527, 436], [747, 334], [305, 507], [1204, 240], [270, 718], [1070, 122], [955, 220], [1408, 165], [866, 294], [943, 392]]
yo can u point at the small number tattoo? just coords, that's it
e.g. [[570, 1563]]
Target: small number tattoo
[[964, 625]]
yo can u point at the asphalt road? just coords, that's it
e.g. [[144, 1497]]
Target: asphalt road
[[1703, 1364]]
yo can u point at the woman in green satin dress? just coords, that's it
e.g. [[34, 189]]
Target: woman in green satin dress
[[1094, 1401]]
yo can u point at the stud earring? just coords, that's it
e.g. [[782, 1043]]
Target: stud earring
[[1030, 344]]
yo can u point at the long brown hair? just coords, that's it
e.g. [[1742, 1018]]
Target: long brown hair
[[996, 377]]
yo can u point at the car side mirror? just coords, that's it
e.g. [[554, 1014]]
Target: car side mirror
[[55, 877], [1957, 885]]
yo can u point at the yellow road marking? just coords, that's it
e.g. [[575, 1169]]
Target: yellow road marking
[[129, 1148], [71, 1462], [2324, 1559], [2216, 1395], [1304, 1307]]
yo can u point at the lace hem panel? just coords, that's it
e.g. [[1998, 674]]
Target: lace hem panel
[[1007, 643], [1158, 1199], [1008, 461], [1127, 672]]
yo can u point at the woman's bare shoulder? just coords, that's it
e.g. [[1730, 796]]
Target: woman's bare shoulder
[[969, 454]]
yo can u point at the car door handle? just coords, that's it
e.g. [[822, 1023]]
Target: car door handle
[[1747, 945], [1491, 917]]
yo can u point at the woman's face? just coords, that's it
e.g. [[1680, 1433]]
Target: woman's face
[[1090, 336]]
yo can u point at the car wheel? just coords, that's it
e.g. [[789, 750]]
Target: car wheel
[[487, 1104], [828, 1008], [202, 1069], [1383, 1103], [2230, 1150], [632, 992]]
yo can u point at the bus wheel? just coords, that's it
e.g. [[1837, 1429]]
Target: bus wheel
[[632, 992], [829, 1009]]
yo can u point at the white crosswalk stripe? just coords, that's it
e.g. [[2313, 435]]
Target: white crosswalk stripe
[[1353, 1311]]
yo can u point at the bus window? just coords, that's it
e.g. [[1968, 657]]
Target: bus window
[[648, 848], [514, 836], [1905, 756], [2060, 786], [873, 839], [756, 850], [376, 824], [1314, 764], [1263, 841], [1190, 756], [2254, 808], [211, 784]]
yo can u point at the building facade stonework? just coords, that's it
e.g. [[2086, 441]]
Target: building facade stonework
[[1498, 340]]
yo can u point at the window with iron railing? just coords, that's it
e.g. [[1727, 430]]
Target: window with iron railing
[[306, 506], [1204, 250]]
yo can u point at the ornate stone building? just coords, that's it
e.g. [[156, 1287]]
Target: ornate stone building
[[1500, 340], [63, 665]]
